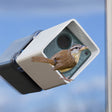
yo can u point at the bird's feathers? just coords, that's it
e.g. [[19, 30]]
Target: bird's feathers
[[43, 60], [64, 60]]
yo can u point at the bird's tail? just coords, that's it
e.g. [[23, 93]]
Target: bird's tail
[[43, 60]]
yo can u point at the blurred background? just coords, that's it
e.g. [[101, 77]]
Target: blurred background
[[20, 18]]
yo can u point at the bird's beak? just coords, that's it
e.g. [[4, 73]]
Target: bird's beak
[[83, 47]]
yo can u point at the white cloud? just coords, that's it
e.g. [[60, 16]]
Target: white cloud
[[75, 96], [85, 86], [51, 7]]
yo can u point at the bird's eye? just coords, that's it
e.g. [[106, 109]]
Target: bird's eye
[[76, 47]]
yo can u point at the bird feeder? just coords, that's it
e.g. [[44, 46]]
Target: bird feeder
[[40, 76]]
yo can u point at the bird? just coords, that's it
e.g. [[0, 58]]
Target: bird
[[63, 60]]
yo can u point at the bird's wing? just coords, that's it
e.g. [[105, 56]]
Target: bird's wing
[[64, 60], [60, 54]]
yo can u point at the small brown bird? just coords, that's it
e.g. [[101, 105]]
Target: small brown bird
[[64, 60]]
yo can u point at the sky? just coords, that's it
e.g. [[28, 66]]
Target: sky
[[20, 18], [49, 7]]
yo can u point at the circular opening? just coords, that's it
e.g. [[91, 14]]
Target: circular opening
[[64, 41]]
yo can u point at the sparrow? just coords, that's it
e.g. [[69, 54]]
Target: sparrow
[[64, 60]]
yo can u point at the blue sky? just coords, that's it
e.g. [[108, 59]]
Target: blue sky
[[49, 7], [21, 18]]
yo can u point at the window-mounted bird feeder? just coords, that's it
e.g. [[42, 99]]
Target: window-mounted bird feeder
[[46, 44]]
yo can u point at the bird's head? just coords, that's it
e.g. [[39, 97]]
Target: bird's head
[[78, 48]]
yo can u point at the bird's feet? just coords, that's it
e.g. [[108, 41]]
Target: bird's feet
[[66, 78]]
